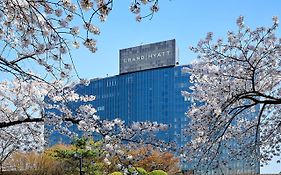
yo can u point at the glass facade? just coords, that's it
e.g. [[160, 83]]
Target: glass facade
[[151, 95]]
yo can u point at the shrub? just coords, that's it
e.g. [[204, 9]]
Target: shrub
[[141, 171], [158, 172], [116, 173]]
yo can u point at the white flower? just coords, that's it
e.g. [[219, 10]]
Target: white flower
[[135, 8], [107, 138], [72, 8], [68, 66], [66, 3], [74, 30], [92, 28], [84, 81], [275, 20], [240, 21], [102, 17], [69, 17], [144, 1], [63, 23], [76, 44], [138, 18], [86, 4], [119, 166], [130, 157], [154, 8], [82, 124], [63, 49], [209, 36], [58, 12], [63, 74], [48, 9], [106, 161]]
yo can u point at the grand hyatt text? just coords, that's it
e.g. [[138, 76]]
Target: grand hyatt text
[[147, 56]]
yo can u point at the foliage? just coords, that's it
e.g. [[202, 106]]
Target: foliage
[[141, 171], [34, 163], [150, 158], [55, 160], [116, 173], [96, 160], [84, 150], [58, 159], [158, 172], [64, 159], [52, 151], [236, 96]]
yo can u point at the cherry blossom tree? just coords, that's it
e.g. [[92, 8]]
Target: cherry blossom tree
[[7, 147], [33, 104], [42, 34], [31, 110], [236, 96], [36, 39]]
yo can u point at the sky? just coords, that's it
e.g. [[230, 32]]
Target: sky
[[184, 20]]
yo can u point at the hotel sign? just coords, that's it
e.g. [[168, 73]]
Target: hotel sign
[[161, 54]]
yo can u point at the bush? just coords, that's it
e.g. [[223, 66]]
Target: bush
[[158, 172], [141, 171], [150, 158], [116, 173], [33, 163]]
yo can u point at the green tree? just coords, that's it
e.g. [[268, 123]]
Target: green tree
[[84, 156]]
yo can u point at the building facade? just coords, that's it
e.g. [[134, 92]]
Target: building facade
[[149, 88], [151, 95]]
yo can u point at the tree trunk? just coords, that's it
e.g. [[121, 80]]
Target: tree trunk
[[1, 168]]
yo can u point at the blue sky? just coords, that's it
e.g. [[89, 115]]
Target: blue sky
[[184, 20]]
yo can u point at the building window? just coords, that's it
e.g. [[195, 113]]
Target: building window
[[100, 108]]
